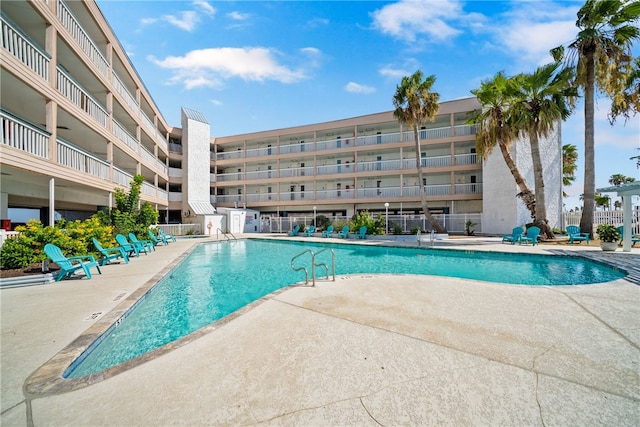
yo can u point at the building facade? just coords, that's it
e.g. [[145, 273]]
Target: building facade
[[78, 122]]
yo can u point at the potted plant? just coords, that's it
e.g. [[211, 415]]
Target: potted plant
[[608, 235]]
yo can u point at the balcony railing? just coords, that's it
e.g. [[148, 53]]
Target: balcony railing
[[82, 37], [428, 162], [80, 160], [163, 168], [334, 194], [382, 165], [334, 144], [385, 192], [148, 189], [121, 177], [296, 147], [147, 155], [175, 148], [466, 159], [430, 190], [175, 173], [24, 136], [76, 94], [386, 138], [332, 169], [258, 152], [260, 197], [122, 90], [261, 174], [443, 132], [25, 50], [227, 155], [233, 176], [293, 172], [174, 196], [464, 130], [123, 135], [230, 198], [148, 124], [474, 188]]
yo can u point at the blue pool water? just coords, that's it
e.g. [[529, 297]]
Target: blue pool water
[[217, 279]]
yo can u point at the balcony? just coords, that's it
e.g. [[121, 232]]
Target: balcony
[[81, 98], [125, 136], [122, 90], [25, 50], [82, 37], [121, 177], [80, 160], [24, 136]]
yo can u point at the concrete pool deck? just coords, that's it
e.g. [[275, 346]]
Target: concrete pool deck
[[359, 351]]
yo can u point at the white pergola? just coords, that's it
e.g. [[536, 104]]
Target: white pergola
[[626, 191]]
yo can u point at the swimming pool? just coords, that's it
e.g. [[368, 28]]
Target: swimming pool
[[217, 279]]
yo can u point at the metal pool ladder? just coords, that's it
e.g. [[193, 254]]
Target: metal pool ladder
[[314, 265], [224, 233]]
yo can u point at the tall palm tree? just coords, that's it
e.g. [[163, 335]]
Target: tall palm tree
[[540, 104], [415, 104], [493, 121], [619, 179], [569, 165], [601, 56]]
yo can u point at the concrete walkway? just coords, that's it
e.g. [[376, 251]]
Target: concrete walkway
[[364, 350]]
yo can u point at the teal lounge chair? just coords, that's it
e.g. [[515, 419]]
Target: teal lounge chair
[[635, 238], [344, 233], [166, 236], [531, 236], [128, 247], [157, 240], [310, 231], [109, 254], [328, 232], [575, 235], [514, 237], [362, 233], [295, 231], [69, 265], [147, 244]]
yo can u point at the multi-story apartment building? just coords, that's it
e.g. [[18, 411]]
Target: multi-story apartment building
[[76, 119], [78, 122]]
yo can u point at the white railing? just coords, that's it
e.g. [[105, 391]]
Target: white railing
[[258, 152], [175, 196], [335, 194], [333, 144], [121, 177], [23, 136], [227, 155], [465, 130], [382, 165], [466, 159], [260, 197], [181, 229], [614, 217], [233, 176], [163, 194], [368, 193], [474, 188], [296, 148], [148, 124], [428, 162], [147, 155], [25, 50], [331, 169], [229, 198], [162, 167], [176, 148], [76, 94], [122, 90], [212, 177], [175, 172], [212, 199], [292, 172], [435, 133], [148, 189], [80, 35], [261, 174], [430, 190], [296, 195], [386, 138], [123, 135], [80, 160]]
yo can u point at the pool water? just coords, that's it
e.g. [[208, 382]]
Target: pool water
[[217, 279]]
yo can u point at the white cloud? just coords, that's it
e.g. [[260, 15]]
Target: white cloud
[[393, 73], [531, 29], [148, 21], [238, 16], [358, 88], [205, 7], [318, 22], [187, 21], [210, 67], [216, 102], [408, 19]]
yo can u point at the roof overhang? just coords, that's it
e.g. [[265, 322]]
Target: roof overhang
[[629, 189], [202, 208]]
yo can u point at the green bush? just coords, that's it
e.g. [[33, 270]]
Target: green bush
[[374, 226], [73, 238], [322, 222], [397, 229], [414, 230]]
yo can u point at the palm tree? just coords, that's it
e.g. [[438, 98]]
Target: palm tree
[[569, 165], [619, 179], [601, 56], [628, 101], [540, 103], [602, 200], [415, 104], [495, 98]]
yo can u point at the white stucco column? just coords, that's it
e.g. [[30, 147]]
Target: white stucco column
[[626, 223], [52, 202]]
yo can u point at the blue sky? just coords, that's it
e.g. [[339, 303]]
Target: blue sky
[[261, 65]]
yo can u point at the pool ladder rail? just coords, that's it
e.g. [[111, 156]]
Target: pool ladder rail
[[314, 265], [224, 233]]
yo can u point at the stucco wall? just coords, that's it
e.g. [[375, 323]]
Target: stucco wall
[[502, 209], [196, 160]]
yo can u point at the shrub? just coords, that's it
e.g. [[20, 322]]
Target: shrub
[[608, 233], [374, 227], [322, 222], [414, 230], [397, 229]]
